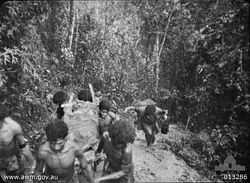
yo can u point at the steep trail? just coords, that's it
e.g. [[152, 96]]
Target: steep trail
[[158, 164]]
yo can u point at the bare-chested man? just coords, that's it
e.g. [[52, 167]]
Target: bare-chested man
[[149, 123], [106, 118], [119, 166], [15, 155], [58, 154]]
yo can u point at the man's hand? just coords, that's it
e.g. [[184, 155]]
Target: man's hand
[[28, 157], [98, 158]]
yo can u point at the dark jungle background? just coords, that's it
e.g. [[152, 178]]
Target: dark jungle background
[[191, 57]]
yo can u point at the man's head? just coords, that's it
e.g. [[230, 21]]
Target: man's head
[[162, 116], [150, 110], [121, 133], [56, 133], [85, 95], [60, 97], [104, 107], [162, 113]]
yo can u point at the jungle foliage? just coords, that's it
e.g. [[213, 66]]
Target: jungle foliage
[[192, 57]]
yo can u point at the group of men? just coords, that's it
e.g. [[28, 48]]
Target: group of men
[[56, 157]]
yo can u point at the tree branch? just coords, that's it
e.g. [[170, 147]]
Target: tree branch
[[166, 28], [72, 23]]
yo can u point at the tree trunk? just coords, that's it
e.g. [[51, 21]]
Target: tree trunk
[[52, 28], [157, 70], [76, 32], [72, 24], [159, 48], [76, 60]]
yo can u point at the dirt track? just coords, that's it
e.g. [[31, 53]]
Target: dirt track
[[158, 164]]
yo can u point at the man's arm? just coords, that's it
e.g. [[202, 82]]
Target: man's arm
[[157, 126], [115, 175], [24, 147], [113, 116], [16, 131], [85, 170], [42, 154], [127, 166]]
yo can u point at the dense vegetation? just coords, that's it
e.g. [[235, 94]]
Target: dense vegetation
[[192, 57]]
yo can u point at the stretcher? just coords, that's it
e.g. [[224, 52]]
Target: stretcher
[[82, 120]]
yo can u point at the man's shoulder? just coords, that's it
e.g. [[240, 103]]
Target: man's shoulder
[[45, 146], [15, 126], [44, 149]]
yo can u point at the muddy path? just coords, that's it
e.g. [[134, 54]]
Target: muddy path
[[159, 164]]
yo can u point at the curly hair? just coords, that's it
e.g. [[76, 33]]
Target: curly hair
[[150, 110], [105, 105], [85, 95], [60, 97], [122, 132], [56, 130]]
